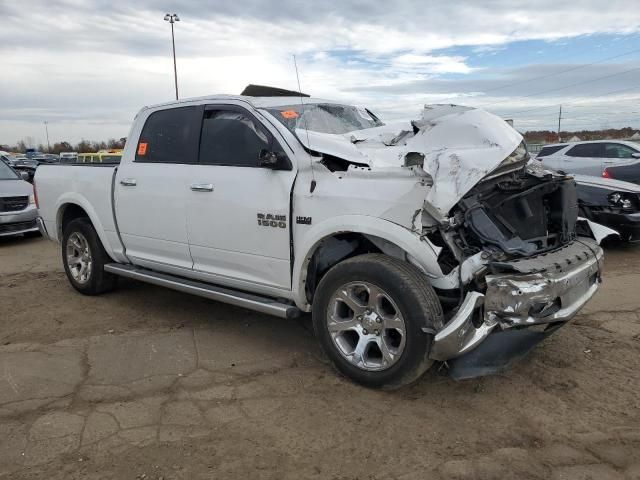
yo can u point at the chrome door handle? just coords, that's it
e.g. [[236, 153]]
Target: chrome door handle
[[128, 182], [202, 187]]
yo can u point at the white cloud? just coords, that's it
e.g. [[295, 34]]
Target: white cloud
[[88, 65]]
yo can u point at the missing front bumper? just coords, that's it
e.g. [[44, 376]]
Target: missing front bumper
[[560, 285]]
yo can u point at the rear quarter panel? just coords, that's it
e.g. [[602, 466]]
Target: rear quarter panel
[[86, 186]]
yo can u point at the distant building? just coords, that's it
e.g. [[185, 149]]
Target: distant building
[[575, 138], [635, 136]]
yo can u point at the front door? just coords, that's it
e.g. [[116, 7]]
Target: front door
[[152, 189], [239, 213]]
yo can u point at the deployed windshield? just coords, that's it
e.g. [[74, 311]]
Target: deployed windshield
[[325, 117], [7, 173]]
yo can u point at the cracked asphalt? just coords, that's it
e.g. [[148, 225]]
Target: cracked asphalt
[[149, 383]]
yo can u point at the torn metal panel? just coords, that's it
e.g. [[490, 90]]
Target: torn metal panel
[[599, 232], [471, 266], [460, 335]]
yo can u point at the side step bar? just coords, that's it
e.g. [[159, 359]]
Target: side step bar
[[219, 294]]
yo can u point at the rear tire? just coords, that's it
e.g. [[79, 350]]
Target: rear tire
[[369, 313], [84, 258]]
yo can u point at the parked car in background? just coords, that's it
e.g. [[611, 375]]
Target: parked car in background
[[27, 165], [18, 210], [47, 158], [612, 203], [68, 157], [8, 158], [103, 156], [31, 152], [409, 242], [617, 159]]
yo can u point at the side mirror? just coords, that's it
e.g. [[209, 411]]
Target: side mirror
[[273, 160], [24, 175], [635, 155]]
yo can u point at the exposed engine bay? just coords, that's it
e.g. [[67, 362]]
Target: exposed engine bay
[[520, 213], [526, 265]]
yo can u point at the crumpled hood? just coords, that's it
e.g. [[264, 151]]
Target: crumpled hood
[[461, 145]]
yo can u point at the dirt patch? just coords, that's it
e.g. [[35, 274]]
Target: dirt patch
[[158, 384]]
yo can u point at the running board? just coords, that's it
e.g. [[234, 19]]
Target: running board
[[219, 294]]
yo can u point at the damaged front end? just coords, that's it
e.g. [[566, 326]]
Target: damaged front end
[[528, 272], [502, 249]]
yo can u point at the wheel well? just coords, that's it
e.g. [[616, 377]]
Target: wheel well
[[341, 246], [69, 212]]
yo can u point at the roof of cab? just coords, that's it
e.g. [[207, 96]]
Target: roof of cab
[[257, 102]]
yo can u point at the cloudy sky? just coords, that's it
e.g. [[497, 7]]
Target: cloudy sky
[[87, 66]]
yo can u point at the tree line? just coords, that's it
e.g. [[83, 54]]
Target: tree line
[[84, 146], [533, 136], [549, 136]]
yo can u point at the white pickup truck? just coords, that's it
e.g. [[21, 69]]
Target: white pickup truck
[[427, 240]]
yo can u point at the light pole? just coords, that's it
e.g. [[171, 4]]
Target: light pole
[[172, 18], [46, 129]]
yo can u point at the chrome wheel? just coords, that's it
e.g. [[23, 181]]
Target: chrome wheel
[[366, 326], [79, 258]]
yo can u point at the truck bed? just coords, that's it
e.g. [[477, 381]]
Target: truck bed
[[88, 185]]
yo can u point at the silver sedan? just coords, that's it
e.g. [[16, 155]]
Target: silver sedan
[[18, 211]]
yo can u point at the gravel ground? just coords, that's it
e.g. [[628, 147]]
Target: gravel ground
[[149, 383]]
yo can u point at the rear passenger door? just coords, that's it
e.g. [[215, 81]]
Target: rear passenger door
[[584, 158], [238, 216], [152, 189]]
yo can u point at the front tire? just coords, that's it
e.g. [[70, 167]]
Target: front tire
[[84, 258], [370, 314]]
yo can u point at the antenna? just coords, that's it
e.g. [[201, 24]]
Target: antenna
[[306, 128]]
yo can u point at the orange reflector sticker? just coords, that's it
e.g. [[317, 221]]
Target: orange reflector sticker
[[289, 114], [142, 148]]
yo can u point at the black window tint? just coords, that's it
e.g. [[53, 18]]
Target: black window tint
[[231, 137], [586, 150], [549, 150], [170, 136], [617, 150]]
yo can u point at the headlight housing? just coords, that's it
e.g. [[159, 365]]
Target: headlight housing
[[625, 200], [519, 155]]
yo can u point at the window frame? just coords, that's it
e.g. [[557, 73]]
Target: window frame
[[599, 150], [617, 145], [273, 143], [193, 154], [554, 149]]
